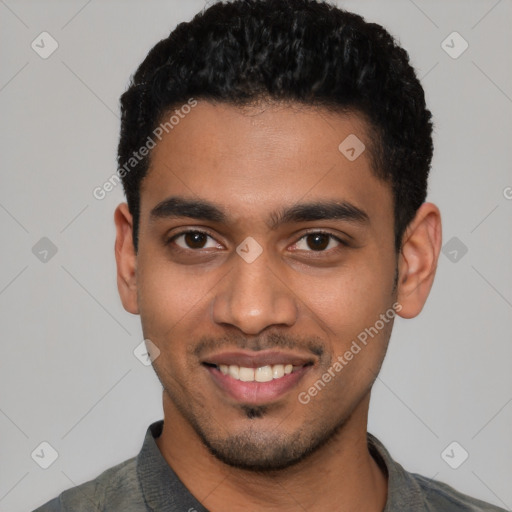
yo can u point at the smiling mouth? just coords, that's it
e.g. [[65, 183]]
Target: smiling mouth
[[257, 378], [265, 373]]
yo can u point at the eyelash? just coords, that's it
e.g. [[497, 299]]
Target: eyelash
[[317, 232], [342, 243]]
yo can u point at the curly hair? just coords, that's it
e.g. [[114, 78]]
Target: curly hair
[[303, 51]]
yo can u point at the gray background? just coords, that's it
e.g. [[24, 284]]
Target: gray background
[[68, 374]]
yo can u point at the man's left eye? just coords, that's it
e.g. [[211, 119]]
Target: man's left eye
[[318, 242]]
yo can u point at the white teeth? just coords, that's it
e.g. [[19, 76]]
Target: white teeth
[[277, 371], [261, 374], [234, 371], [246, 374]]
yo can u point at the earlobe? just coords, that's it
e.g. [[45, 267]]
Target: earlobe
[[418, 259], [126, 259]]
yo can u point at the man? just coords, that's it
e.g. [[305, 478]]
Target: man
[[274, 156]]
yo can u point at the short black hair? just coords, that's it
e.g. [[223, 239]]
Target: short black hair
[[302, 51]]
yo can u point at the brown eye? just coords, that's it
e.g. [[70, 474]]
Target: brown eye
[[318, 241], [195, 240]]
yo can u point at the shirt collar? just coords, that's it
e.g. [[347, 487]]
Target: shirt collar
[[163, 491], [404, 492]]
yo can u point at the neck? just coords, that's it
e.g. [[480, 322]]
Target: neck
[[342, 473]]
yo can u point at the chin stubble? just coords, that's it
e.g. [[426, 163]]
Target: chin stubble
[[254, 451]]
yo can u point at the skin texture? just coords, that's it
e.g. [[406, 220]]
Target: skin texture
[[196, 302]]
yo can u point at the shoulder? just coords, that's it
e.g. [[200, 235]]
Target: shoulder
[[442, 497], [414, 492], [117, 487]]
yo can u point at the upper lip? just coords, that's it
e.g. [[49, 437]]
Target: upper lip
[[257, 359]]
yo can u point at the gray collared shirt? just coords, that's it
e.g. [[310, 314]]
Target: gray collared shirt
[[147, 483]]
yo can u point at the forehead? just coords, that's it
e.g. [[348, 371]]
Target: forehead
[[257, 159]]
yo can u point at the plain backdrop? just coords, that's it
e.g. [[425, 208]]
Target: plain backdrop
[[68, 374]]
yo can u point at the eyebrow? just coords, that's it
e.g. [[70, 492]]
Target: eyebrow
[[200, 209], [319, 210], [194, 208]]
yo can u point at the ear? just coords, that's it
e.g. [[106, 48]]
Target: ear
[[126, 259], [419, 254]]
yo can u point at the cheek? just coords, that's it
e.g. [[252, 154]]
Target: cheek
[[172, 308], [171, 303], [352, 299]]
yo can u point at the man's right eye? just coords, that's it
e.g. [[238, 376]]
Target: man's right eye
[[194, 240]]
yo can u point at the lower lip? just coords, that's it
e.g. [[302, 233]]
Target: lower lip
[[257, 393]]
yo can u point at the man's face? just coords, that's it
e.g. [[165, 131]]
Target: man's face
[[242, 183]]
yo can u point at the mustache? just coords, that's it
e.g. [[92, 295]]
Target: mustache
[[208, 344]]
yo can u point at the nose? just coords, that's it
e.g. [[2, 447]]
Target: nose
[[253, 297]]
